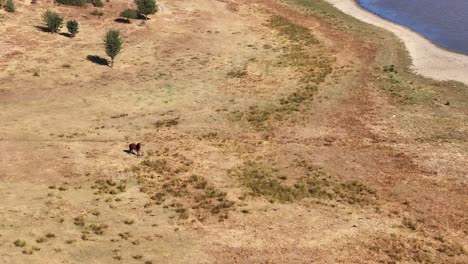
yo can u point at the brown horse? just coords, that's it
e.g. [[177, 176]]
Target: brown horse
[[135, 147]]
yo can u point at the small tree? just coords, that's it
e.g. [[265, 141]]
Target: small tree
[[72, 27], [146, 7], [113, 44], [10, 6], [52, 21], [129, 14]]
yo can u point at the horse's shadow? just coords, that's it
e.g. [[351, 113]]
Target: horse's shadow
[[129, 152]]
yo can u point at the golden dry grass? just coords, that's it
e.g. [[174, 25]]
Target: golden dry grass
[[274, 132]]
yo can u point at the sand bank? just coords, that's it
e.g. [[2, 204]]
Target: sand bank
[[428, 59]]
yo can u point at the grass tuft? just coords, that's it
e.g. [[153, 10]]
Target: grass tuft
[[19, 243]]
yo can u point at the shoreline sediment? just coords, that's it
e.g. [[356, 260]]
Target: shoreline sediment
[[428, 59]]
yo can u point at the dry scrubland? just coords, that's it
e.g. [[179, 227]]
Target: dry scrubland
[[274, 132]]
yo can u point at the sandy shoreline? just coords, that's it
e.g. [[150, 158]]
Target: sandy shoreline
[[428, 59]]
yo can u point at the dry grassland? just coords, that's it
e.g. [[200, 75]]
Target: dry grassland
[[274, 132]]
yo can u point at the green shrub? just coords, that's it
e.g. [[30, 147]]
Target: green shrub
[[71, 2], [146, 7], [52, 20], [129, 14], [72, 27], [10, 6]]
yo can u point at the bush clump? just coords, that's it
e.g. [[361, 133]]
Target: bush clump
[[146, 7], [72, 26], [262, 181], [10, 6], [52, 20], [129, 14]]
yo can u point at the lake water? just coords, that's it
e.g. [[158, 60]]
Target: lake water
[[444, 22]]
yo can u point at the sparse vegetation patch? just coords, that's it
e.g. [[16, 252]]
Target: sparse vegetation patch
[[188, 196], [263, 181], [237, 73], [298, 34], [397, 248], [109, 186], [302, 52], [167, 122]]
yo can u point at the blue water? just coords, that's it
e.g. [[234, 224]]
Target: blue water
[[444, 22]]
